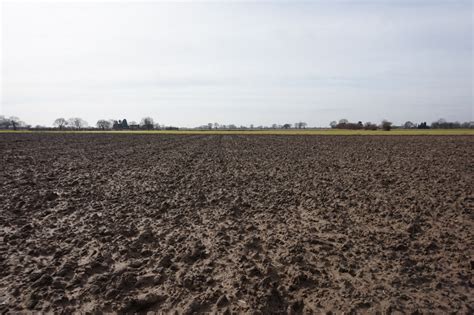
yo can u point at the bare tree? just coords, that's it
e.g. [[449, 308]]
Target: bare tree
[[333, 124], [301, 125], [286, 126], [409, 125], [147, 123], [16, 122], [77, 122], [11, 122], [60, 123], [104, 124]]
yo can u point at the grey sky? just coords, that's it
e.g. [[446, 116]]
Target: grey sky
[[256, 63]]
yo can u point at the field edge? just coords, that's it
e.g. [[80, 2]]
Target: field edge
[[309, 132]]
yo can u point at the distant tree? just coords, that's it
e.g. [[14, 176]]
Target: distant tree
[[386, 125], [216, 125], [345, 124], [251, 126], [343, 121], [116, 124], [370, 126], [77, 123], [14, 122], [209, 125], [4, 122], [274, 126], [441, 123], [124, 124], [60, 123], [11, 122], [104, 124], [300, 125], [147, 123], [409, 125], [333, 124], [444, 124], [286, 126], [468, 124], [423, 125]]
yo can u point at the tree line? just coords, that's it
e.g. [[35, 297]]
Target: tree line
[[217, 126], [148, 123], [387, 125]]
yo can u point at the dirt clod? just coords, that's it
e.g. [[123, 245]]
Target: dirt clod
[[94, 223]]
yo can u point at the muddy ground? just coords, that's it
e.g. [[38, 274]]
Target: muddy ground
[[248, 224]]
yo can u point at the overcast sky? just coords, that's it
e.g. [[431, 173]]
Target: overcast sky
[[187, 64]]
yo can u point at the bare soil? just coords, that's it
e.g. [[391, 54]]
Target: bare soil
[[248, 224]]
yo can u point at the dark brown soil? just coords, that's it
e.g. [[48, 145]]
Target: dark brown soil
[[256, 224]]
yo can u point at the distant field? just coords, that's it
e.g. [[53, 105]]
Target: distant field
[[322, 132]]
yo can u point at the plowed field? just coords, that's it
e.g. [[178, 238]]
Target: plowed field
[[251, 224]]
